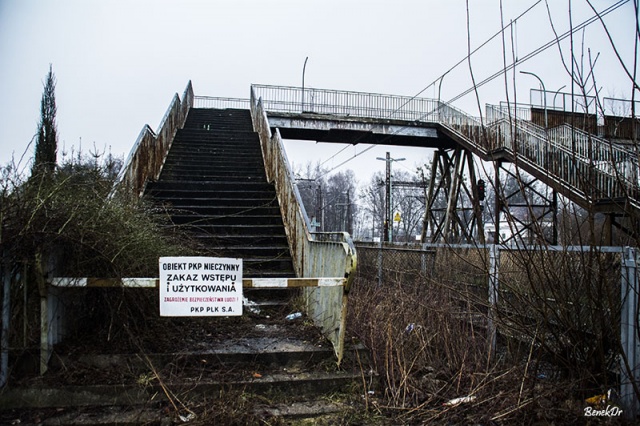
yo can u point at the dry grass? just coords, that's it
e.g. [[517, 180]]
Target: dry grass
[[427, 331]]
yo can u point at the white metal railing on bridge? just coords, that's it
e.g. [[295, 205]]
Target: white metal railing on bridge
[[346, 103], [365, 105], [521, 111], [590, 167], [221, 103]]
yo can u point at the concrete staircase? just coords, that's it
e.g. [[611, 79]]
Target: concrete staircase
[[255, 369], [213, 183]]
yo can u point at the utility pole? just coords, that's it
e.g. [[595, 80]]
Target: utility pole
[[319, 208], [347, 219], [388, 220], [388, 224], [349, 216], [318, 211]]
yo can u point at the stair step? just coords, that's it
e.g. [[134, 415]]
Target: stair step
[[209, 194], [245, 252], [224, 231], [209, 157], [185, 202], [266, 352], [266, 273], [187, 164], [309, 412], [216, 240], [201, 187], [231, 132], [223, 210], [186, 148], [212, 177], [248, 219], [134, 394]]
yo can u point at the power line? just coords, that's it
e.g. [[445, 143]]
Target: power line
[[348, 159], [541, 49], [536, 52], [468, 56], [424, 89], [333, 156]]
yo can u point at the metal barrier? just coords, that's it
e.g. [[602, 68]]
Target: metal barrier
[[314, 255], [220, 103], [521, 111], [561, 101], [147, 156]]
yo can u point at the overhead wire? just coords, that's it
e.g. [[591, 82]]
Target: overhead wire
[[424, 89], [530, 55], [541, 49], [461, 61], [333, 156]]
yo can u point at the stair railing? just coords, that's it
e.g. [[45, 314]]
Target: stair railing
[[147, 156], [315, 255], [220, 102], [590, 166]]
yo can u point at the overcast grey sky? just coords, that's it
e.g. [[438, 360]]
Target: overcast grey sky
[[119, 62]]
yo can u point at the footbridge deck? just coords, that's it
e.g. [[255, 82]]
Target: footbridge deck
[[590, 171]]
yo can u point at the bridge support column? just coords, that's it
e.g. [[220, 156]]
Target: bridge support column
[[497, 208], [453, 212]]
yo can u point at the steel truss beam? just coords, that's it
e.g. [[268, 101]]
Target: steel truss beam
[[526, 217], [453, 211]]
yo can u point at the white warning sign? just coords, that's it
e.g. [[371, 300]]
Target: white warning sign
[[200, 286]]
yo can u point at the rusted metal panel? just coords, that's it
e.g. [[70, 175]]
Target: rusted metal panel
[[586, 122], [147, 156], [616, 127]]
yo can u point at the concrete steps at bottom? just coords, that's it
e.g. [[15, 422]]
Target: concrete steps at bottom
[[274, 368], [307, 412]]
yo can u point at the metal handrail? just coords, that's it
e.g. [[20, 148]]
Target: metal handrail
[[221, 102], [341, 102]]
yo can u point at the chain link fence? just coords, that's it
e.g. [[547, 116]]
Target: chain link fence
[[561, 306]]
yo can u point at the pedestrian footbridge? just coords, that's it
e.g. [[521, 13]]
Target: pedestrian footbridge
[[591, 171]]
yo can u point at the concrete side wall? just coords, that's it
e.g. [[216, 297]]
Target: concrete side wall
[[147, 156], [314, 255]]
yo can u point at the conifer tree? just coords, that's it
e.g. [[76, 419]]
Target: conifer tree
[[47, 141]]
